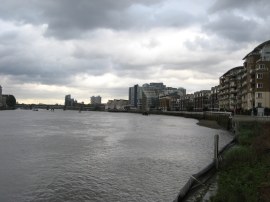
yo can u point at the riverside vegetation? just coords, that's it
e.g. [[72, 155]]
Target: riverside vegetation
[[244, 175]]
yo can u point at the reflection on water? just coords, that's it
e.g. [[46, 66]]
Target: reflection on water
[[99, 156]]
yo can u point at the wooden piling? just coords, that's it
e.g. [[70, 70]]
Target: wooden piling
[[216, 139]]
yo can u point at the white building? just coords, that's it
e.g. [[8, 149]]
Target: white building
[[117, 104]]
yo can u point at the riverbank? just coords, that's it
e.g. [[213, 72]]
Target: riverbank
[[244, 174], [214, 120], [209, 123]]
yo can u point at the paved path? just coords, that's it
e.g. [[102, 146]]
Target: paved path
[[250, 118]]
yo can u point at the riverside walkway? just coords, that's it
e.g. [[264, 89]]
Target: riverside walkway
[[245, 118]]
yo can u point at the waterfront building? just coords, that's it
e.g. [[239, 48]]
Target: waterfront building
[[69, 101], [256, 80], [95, 100], [214, 105], [165, 102], [150, 98], [159, 86], [229, 95], [150, 95], [186, 102], [1, 98], [168, 98], [201, 100], [174, 105], [135, 96], [181, 91], [119, 104]]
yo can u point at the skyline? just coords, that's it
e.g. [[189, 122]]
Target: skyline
[[51, 49]]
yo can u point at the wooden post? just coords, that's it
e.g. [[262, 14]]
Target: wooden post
[[216, 150]]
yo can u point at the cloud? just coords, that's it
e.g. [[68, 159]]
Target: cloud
[[70, 19], [233, 27], [255, 6], [102, 47]]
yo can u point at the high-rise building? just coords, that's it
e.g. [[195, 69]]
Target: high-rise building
[[69, 101], [1, 97], [256, 79], [150, 95], [95, 100], [135, 96], [230, 89], [181, 91], [168, 98]]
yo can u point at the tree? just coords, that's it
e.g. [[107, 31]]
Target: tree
[[10, 100]]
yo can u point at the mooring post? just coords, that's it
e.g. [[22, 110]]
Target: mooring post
[[216, 150]]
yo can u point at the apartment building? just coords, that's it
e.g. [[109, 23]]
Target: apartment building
[[214, 105], [256, 80], [230, 84], [186, 102], [201, 100], [262, 78], [168, 98]]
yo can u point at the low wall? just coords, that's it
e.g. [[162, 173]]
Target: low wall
[[202, 176], [222, 118]]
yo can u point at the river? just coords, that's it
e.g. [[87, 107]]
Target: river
[[99, 156]]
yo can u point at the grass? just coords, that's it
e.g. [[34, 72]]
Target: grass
[[245, 172]]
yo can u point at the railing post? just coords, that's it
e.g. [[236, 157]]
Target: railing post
[[216, 138]]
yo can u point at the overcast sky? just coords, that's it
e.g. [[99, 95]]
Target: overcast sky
[[101, 47]]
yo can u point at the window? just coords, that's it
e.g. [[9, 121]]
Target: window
[[259, 76], [259, 104], [259, 85], [259, 95], [261, 66]]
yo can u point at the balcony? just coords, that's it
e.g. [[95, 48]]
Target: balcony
[[232, 91], [244, 92]]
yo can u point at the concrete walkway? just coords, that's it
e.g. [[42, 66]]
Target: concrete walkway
[[245, 118]]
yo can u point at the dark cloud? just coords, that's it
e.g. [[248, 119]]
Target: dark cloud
[[220, 5], [241, 21], [235, 27], [249, 7], [69, 18], [125, 41], [66, 18]]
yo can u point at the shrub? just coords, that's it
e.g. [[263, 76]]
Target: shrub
[[240, 154]]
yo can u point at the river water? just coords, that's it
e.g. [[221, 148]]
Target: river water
[[99, 156]]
